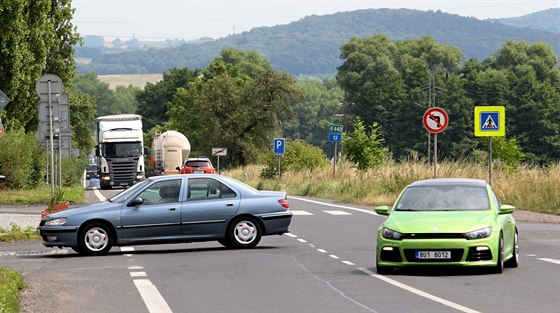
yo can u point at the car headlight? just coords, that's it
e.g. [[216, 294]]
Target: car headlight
[[56, 221], [391, 234], [479, 234]]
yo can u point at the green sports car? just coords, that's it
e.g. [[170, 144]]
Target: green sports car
[[441, 222]]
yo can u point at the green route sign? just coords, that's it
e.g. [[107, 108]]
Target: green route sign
[[334, 128]]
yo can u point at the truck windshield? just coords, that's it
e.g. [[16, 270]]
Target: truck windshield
[[122, 149]]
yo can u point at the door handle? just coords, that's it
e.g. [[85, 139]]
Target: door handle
[[229, 204], [172, 209]]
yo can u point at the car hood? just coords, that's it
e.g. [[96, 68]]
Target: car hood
[[101, 206], [439, 221]]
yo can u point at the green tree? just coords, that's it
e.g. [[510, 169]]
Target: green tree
[[153, 101], [37, 37], [236, 102], [365, 150], [321, 105], [82, 120]]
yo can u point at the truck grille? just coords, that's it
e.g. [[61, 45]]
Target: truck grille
[[123, 171]]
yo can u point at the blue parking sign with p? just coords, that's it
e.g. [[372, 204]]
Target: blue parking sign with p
[[279, 145]]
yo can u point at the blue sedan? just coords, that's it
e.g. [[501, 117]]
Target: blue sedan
[[171, 209]]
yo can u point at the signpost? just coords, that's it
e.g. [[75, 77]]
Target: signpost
[[279, 151], [435, 121], [218, 152], [53, 121], [489, 121], [335, 135]]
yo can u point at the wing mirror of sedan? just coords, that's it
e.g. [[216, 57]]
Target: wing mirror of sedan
[[506, 209], [382, 210], [136, 201]]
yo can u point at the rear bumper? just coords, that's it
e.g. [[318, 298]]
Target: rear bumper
[[277, 223]]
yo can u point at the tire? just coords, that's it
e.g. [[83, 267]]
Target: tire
[[95, 239], [514, 260], [76, 249], [244, 233], [225, 242], [499, 268]]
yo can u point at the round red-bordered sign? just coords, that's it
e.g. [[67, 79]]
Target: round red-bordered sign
[[435, 120], [1, 130]]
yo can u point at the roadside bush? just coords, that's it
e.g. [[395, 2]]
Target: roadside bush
[[11, 282], [300, 156], [73, 170], [20, 159]]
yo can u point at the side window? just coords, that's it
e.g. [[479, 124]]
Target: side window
[[162, 192], [207, 189]]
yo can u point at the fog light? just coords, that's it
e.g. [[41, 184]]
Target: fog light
[[482, 248], [51, 238]]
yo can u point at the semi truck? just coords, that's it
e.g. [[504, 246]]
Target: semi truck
[[168, 152], [119, 150]]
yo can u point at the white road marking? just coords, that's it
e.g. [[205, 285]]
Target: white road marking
[[302, 240], [336, 206], [99, 195], [127, 249], [138, 274], [337, 212], [301, 213], [151, 296], [322, 250], [334, 257], [348, 263], [127, 255], [549, 260], [418, 292], [135, 267], [290, 235]]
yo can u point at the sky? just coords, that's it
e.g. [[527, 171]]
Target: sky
[[156, 20]]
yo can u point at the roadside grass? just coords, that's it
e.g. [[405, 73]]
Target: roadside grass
[[74, 194], [17, 233], [531, 188], [11, 282]]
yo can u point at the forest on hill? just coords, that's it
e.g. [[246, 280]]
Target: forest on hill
[[311, 46]]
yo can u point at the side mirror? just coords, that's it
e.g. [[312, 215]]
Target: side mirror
[[136, 201], [382, 210], [97, 150], [506, 209]]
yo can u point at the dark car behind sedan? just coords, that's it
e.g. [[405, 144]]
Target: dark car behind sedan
[[172, 209]]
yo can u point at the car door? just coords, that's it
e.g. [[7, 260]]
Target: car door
[[209, 205], [157, 217], [506, 224]]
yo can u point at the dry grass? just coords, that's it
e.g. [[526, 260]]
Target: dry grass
[[528, 188], [136, 80]]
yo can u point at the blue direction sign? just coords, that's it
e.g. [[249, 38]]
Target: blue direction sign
[[335, 137], [279, 146], [3, 100]]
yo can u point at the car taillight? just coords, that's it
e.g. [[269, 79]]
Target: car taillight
[[284, 203]]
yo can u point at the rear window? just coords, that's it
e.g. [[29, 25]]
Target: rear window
[[197, 164]]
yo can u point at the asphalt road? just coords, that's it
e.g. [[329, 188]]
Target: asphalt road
[[326, 264]]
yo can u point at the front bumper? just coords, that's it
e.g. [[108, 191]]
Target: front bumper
[[58, 236], [462, 252]]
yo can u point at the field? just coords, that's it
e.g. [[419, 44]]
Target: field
[[529, 188], [136, 80]]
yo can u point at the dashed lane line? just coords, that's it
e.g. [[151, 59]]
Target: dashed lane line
[[335, 205]]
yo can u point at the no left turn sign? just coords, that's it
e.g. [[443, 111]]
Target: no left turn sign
[[435, 120]]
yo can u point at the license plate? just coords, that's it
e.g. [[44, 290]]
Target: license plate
[[198, 172], [123, 184], [437, 255]]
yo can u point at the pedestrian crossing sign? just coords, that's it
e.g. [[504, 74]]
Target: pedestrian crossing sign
[[489, 121]]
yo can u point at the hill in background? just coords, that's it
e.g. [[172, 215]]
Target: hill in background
[[547, 20], [311, 45]]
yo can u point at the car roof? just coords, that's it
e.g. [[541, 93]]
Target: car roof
[[449, 182]]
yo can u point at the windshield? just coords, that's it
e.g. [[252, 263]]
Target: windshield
[[127, 193], [122, 149], [444, 198]]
